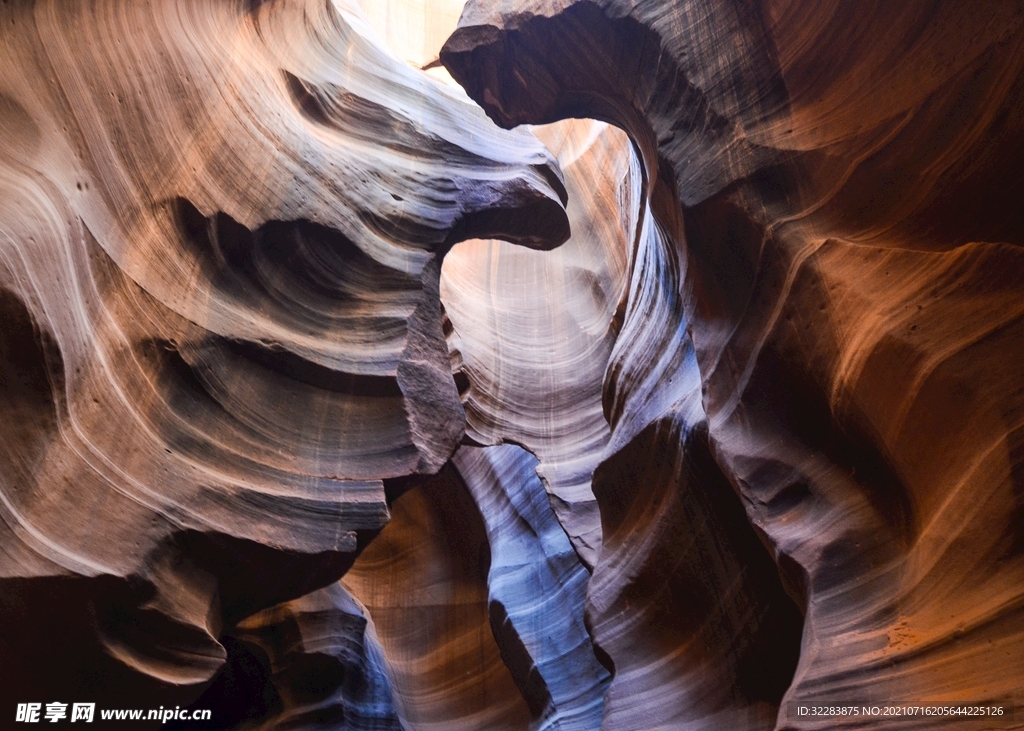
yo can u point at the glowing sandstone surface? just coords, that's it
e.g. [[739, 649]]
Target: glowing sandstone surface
[[330, 404]]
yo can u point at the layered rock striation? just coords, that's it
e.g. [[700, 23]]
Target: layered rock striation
[[478, 598], [221, 235], [832, 185], [531, 332], [684, 605], [713, 414]]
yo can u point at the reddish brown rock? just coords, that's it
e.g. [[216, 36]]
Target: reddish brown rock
[[424, 582], [836, 186], [537, 588], [220, 231], [770, 384], [311, 663]]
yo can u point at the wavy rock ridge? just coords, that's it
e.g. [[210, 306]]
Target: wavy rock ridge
[[220, 256], [829, 185], [747, 440]]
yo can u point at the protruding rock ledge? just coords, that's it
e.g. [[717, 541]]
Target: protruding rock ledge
[[833, 185]]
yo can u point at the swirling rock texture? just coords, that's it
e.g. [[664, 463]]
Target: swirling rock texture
[[221, 234], [478, 598], [685, 604], [531, 367], [314, 662], [537, 588], [424, 582], [831, 211], [748, 441]]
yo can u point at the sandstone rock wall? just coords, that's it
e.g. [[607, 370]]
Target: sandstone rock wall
[[714, 412], [221, 229], [832, 183]]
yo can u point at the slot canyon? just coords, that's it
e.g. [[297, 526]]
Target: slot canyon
[[512, 365]]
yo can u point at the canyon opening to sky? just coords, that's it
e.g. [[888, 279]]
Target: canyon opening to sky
[[519, 365]]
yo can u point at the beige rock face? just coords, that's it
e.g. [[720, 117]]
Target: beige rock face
[[219, 261], [532, 332], [685, 605]]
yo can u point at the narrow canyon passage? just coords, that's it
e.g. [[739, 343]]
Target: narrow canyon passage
[[535, 365]]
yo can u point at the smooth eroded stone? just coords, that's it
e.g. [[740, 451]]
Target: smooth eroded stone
[[424, 581], [537, 588], [532, 332], [221, 226], [836, 188]]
